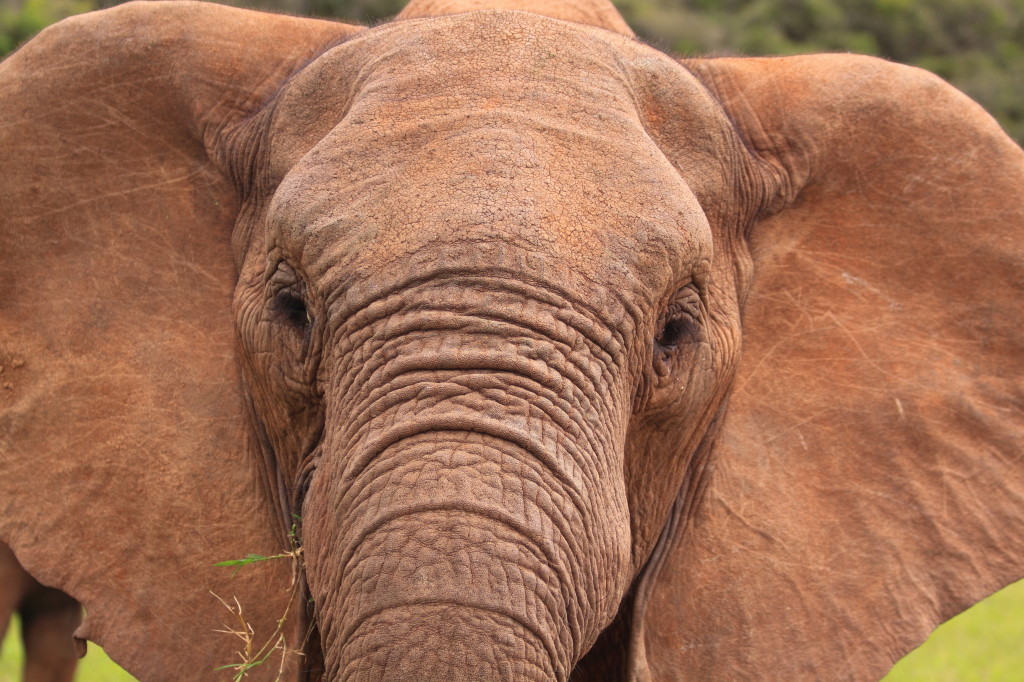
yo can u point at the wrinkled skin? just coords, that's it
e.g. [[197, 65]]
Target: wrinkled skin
[[462, 299]]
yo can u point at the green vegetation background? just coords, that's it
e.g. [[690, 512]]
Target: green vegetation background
[[978, 45]]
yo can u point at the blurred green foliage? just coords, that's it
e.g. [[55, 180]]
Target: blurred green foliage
[[978, 45], [22, 20]]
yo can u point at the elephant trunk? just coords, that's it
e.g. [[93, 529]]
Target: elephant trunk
[[440, 578], [465, 521]]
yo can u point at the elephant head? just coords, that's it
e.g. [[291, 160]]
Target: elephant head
[[459, 302]]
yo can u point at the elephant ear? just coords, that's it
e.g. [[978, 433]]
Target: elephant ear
[[868, 482], [125, 473]]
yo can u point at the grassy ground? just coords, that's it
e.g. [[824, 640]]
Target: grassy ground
[[982, 644]]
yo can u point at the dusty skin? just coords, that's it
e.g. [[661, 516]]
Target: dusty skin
[[574, 359]]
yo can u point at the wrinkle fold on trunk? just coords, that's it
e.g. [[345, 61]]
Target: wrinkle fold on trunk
[[475, 528]]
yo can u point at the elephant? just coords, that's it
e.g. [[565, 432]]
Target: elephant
[[491, 343]]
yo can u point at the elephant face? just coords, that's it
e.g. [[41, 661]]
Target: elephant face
[[458, 302], [463, 322]]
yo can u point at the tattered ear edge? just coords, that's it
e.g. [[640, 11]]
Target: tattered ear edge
[[793, 114]]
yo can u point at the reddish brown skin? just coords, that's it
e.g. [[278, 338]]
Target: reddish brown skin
[[466, 293]]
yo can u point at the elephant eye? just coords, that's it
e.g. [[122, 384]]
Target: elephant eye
[[293, 310], [680, 326], [675, 330]]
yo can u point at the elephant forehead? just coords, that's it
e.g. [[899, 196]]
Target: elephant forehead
[[423, 72], [482, 130], [594, 204]]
